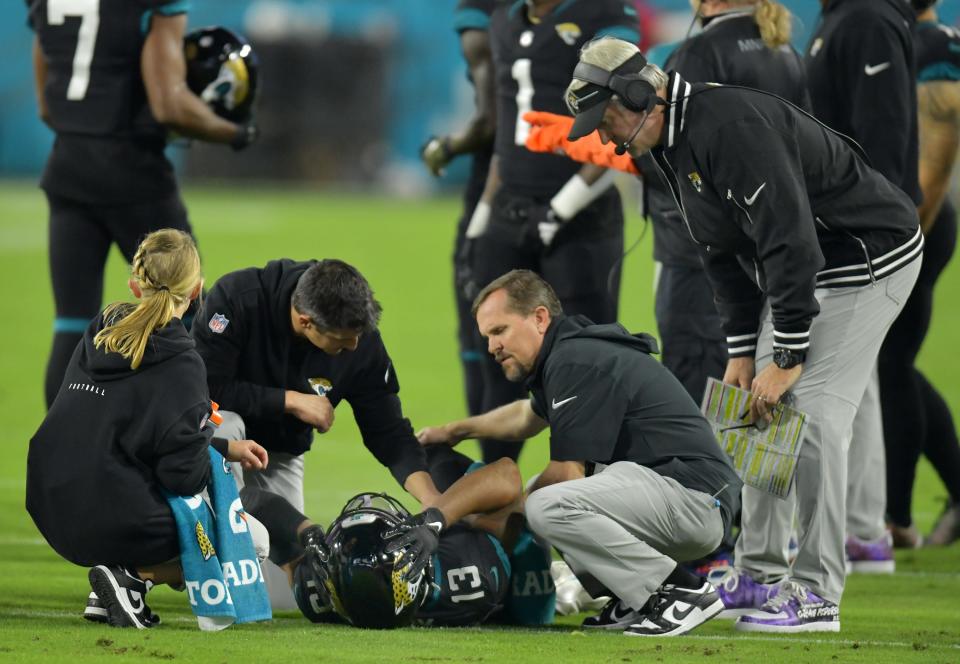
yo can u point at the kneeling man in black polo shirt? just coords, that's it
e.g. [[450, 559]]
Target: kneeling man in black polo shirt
[[660, 490]]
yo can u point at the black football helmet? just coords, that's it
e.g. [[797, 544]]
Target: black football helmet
[[367, 589], [222, 70]]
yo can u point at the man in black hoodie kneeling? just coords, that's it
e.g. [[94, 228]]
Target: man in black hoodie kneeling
[[636, 481]]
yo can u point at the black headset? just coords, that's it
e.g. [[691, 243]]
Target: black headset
[[634, 92]]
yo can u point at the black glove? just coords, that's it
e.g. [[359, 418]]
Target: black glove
[[247, 134], [418, 537], [316, 554]]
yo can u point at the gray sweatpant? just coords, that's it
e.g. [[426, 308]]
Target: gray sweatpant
[[866, 468], [845, 339], [626, 526], [283, 476]]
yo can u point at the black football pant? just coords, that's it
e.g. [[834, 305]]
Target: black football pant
[[80, 236], [693, 346], [916, 419], [582, 265], [471, 345]]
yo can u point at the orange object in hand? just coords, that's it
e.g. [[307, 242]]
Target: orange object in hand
[[549, 131], [216, 419]]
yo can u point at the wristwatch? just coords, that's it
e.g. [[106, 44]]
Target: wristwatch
[[787, 359]]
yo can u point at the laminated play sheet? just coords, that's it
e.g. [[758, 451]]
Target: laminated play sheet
[[764, 455]]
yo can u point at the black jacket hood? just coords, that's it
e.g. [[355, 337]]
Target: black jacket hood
[[569, 327], [902, 6], [166, 342]]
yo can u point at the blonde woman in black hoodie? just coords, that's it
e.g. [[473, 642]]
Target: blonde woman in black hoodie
[[128, 421]]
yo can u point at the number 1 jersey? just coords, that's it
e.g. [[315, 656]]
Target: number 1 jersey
[[534, 63]]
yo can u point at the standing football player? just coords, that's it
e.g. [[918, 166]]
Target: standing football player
[[549, 214], [110, 80], [472, 22]]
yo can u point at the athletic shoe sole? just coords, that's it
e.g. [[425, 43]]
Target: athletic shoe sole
[[787, 629], [733, 614], [696, 618], [94, 611], [871, 567], [119, 611]]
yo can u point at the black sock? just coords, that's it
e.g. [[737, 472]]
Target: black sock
[[682, 578], [279, 517]]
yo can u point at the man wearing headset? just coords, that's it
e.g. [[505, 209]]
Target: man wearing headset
[[810, 253]]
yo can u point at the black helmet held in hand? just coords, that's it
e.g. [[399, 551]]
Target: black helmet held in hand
[[222, 70], [370, 591]]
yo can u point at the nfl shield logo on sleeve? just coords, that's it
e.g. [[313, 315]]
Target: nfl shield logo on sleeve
[[218, 323]]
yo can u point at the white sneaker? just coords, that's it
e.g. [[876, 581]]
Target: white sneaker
[[571, 596]]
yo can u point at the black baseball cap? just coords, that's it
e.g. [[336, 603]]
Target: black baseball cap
[[587, 105]]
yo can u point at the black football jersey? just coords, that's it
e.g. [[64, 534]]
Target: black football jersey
[[473, 15], [534, 63], [937, 49], [109, 148], [92, 49], [471, 576]]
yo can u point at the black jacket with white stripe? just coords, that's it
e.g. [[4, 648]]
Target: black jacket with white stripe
[[779, 205]]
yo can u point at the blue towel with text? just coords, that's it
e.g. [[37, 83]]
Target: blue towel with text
[[223, 579]]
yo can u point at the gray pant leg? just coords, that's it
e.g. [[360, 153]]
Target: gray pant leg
[[766, 523], [845, 339], [626, 526], [866, 468], [283, 476]]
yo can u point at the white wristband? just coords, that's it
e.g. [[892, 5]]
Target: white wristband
[[479, 221], [576, 194]]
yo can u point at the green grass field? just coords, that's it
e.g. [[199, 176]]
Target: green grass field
[[403, 248]]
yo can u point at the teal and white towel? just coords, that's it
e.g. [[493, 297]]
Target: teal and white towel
[[223, 579]]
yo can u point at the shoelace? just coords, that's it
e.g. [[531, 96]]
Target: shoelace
[[788, 591], [728, 577]]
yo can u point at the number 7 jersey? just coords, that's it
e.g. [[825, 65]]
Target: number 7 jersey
[[534, 62], [92, 50]]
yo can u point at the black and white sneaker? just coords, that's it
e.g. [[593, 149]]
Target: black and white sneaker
[[123, 594], [678, 610], [95, 611], [614, 615]]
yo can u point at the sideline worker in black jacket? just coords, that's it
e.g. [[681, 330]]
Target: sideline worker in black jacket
[[661, 490], [272, 339], [811, 254], [743, 42], [862, 78], [128, 421]]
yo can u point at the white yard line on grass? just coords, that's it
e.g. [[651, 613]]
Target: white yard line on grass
[[786, 639]]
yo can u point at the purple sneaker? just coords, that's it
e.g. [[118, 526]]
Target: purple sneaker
[[870, 556], [793, 609], [739, 593]]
